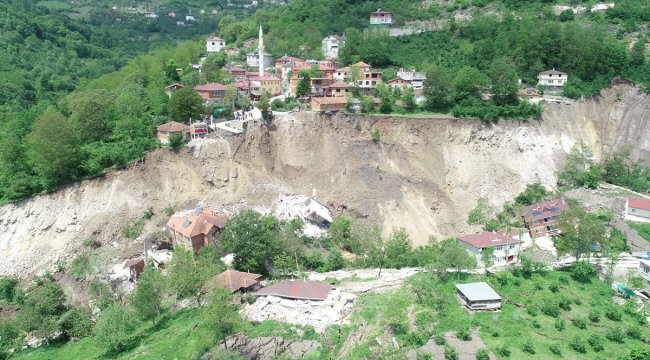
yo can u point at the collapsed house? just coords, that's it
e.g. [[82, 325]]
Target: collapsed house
[[234, 281], [194, 229], [316, 215]]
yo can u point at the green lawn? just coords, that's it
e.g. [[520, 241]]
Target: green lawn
[[643, 229]]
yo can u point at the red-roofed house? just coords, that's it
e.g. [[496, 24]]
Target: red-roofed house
[[297, 290], [367, 77], [214, 44], [541, 218], [328, 103], [237, 280], [267, 83], [164, 131], [235, 70], [213, 92], [381, 17], [289, 61], [506, 245], [338, 89], [169, 89], [196, 228], [637, 207]]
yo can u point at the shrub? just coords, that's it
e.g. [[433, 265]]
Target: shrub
[[169, 210], [528, 347], [634, 332], [91, 242], [376, 136], [439, 339], [578, 344], [616, 335], [482, 354], [560, 325], [613, 313], [532, 310], [133, 229], [580, 322], [148, 213], [423, 356], [451, 353], [415, 338], [564, 302], [176, 141], [639, 354], [80, 267], [550, 308], [114, 329], [463, 334], [554, 287], [7, 288], [503, 350], [536, 324], [75, 323], [555, 349], [594, 316], [596, 342]]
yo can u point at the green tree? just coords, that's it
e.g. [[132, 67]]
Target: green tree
[[132, 101], [223, 314], [468, 83], [579, 168], [170, 70], [114, 329], [251, 237], [582, 232], [186, 104], [147, 298], [75, 323], [398, 251], [408, 100], [90, 114], [566, 15], [437, 88], [265, 107], [487, 256], [186, 277], [304, 84], [212, 67], [176, 141], [637, 54], [533, 193], [53, 149], [504, 80], [43, 307]]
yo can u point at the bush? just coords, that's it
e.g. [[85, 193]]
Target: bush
[[76, 324], [594, 316], [554, 287], [114, 329], [582, 271], [503, 350], [528, 347], [176, 141], [536, 324], [564, 302], [91, 242], [133, 229], [550, 308], [560, 325], [463, 334], [614, 313], [148, 213], [439, 339], [580, 322], [451, 353], [531, 309], [423, 356], [555, 349], [596, 342], [616, 335], [482, 354], [578, 344], [7, 288], [634, 332], [80, 267], [376, 136]]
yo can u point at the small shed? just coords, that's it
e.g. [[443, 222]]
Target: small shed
[[478, 296], [135, 266]]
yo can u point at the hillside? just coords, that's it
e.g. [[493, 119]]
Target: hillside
[[425, 176]]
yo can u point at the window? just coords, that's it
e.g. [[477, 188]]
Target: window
[[212, 43], [537, 231], [512, 246], [646, 269], [499, 248]]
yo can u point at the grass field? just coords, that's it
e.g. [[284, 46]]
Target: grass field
[[643, 229], [423, 308]]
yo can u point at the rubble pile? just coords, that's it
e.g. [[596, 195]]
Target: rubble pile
[[336, 309], [315, 215], [267, 348]]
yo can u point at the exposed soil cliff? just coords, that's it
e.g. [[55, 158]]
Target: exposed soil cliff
[[425, 175]]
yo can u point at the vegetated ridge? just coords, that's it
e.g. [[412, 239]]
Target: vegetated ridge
[[425, 174]]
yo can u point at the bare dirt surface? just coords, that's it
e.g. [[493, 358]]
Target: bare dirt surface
[[424, 176]]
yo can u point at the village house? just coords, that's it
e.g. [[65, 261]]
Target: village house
[[235, 71], [406, 79], [541, 219], [478, 296], [214, 44], [381, 18], [169, 89], [644, 270], [552, 79], [289, 61], [506, 245], [638, 207], [328, 103], [268, 83], [238, 281], [529, 95], [253, 60], [297, 290], [164, 131], [602, 7], [199, 130], [367, 78], [196, 228], [338, 89], [331, 45], [213, 92]]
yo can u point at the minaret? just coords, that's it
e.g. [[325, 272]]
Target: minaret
[[260, 51]]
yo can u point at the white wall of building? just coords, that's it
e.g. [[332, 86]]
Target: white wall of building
[[214, 46]]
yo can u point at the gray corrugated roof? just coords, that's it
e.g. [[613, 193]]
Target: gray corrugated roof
[[478, 291]]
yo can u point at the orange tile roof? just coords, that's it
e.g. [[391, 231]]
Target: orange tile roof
[[198, 221], [173, 126], [235, 280], [210, 87], [330, 100], [297, 289]]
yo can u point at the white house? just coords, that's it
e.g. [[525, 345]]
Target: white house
[[637, 207], [189, 18], [552, 78], [413, 78], [331, 45], [381, 18], [506, 247], [644, 271], [214, 44], [151, 15]]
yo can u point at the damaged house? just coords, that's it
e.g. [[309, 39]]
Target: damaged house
[[195, 229]]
